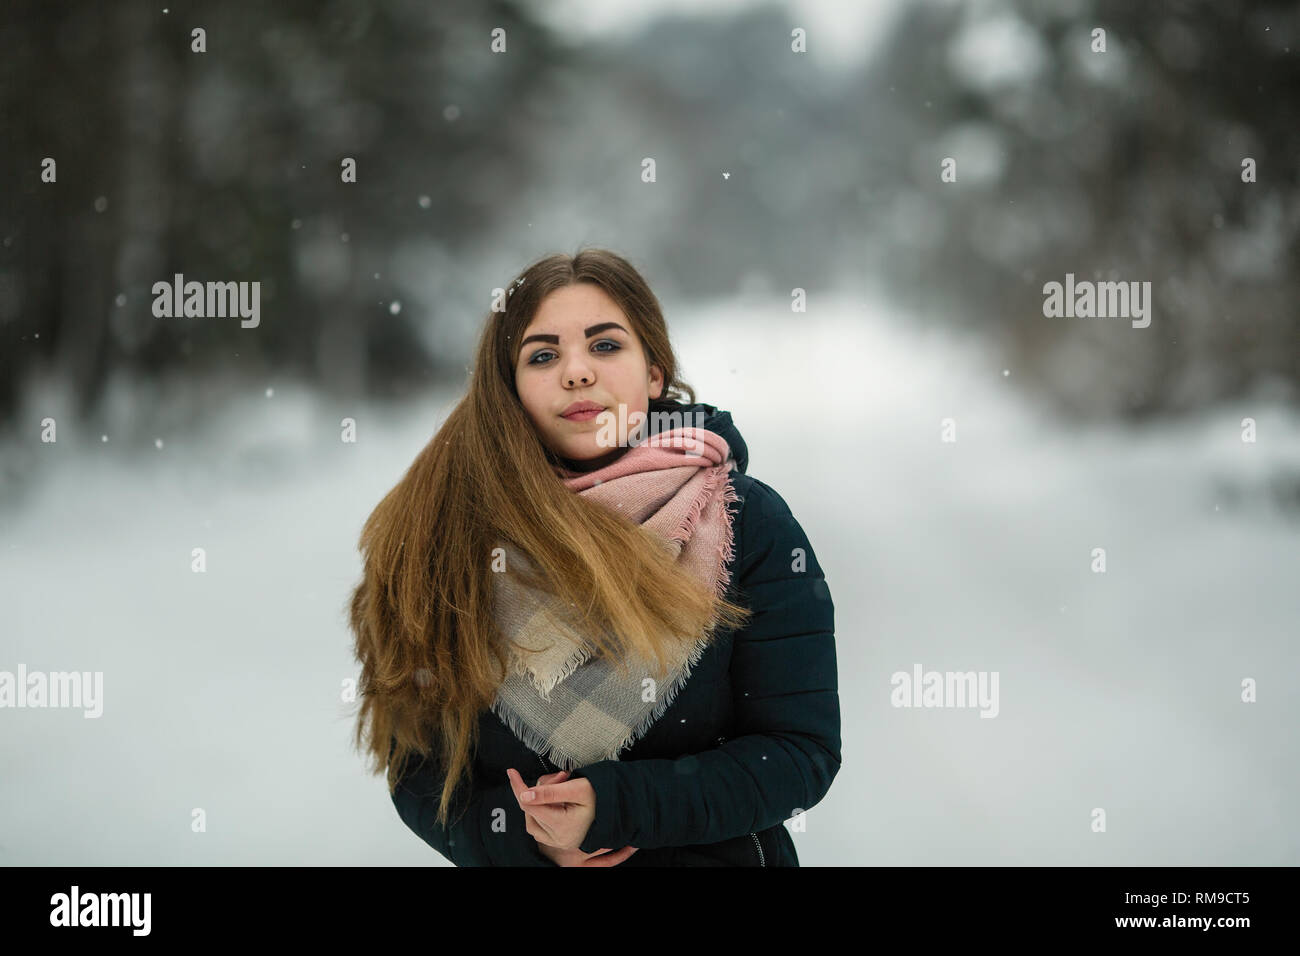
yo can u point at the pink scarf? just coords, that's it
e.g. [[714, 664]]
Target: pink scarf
[[670, 485], [559, 700]]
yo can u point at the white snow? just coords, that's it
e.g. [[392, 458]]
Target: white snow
[[1118, 690]]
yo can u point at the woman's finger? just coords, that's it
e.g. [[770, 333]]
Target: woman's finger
[[556, 793], [517, 783], [539, 832], [551, 817], [611, 859]]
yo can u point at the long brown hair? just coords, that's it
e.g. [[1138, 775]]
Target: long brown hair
[[431, 660]]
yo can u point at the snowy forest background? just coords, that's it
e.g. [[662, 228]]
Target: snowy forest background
[[1119, 690]]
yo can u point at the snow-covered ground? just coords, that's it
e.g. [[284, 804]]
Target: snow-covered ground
[[1119, 691]]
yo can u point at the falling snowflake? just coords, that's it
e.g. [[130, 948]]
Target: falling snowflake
[[395, 307]]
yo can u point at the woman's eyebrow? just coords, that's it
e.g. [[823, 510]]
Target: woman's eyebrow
[[588, 332]]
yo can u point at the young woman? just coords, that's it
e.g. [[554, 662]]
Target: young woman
[[576, 584]]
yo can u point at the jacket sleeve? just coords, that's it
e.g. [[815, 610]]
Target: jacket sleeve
[[469, 838], [786, 748]]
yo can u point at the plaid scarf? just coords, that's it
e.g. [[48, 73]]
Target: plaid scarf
[[556, 698]]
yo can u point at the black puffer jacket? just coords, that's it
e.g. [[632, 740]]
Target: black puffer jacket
[[750, 740]]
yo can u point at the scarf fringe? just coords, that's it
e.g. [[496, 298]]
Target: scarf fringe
[[533, 740], [571, 664], [726, 550], [642, 728], [566, 761]]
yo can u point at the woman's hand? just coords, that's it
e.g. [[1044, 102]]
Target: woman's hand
[[559, 818], [559, 814], [576, 857]]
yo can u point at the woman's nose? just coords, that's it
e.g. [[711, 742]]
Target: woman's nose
[[577, 374]]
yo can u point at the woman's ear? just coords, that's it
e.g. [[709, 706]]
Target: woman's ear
[[656, 382]]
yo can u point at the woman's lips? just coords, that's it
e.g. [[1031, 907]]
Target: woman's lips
[[584, 416]]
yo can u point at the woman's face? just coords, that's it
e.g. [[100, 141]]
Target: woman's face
[[581, 347]]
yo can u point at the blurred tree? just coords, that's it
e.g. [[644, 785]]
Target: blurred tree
[[225, 166], [1115, 165]]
